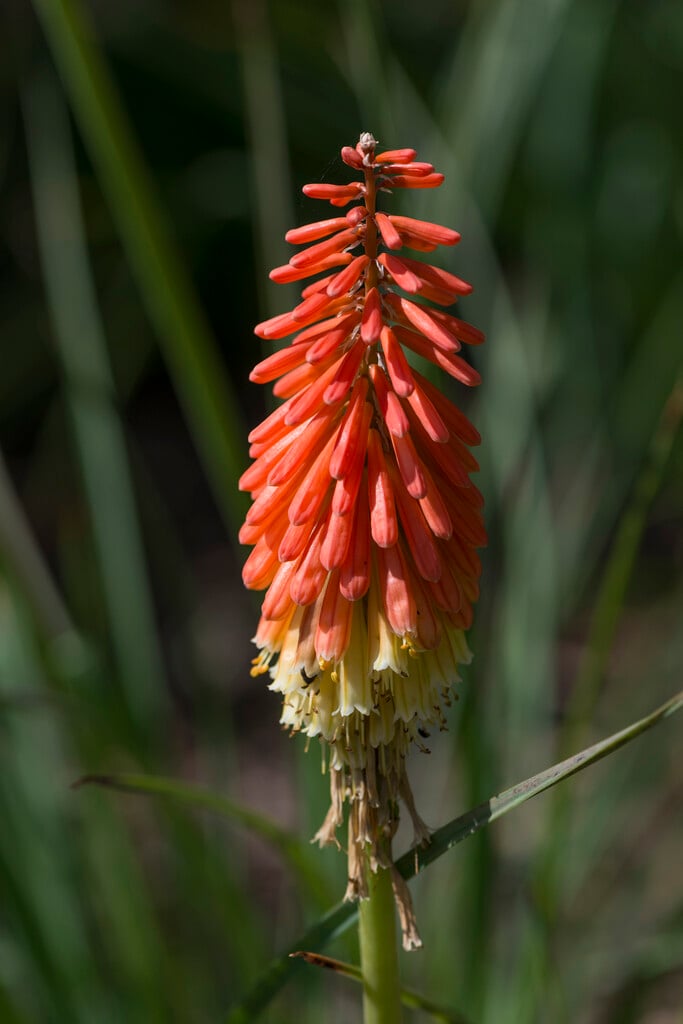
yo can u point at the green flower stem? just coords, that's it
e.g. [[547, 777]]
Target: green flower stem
[[378, 952]]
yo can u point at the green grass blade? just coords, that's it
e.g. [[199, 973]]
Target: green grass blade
[[82, 350], [415, 1000], [24, 562], [271, 181], [298, 856], [341, 917], [547, 885], [187, 344], [617, 574]]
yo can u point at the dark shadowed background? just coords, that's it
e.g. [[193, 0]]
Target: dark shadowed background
[[152, 155]]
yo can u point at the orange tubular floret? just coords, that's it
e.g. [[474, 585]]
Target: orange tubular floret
[[352, 438], [287, 323], [437, 277], [296, 380], [351, 157], [309, 578], [455, 420], [397, 365], [438, 295], [396, 156], [446, 591], [462, 330], [428, 415], [383, 521], [278, 601], [452, 364], [435, 233], [347, 278], [320, 190], [277, 364], [412, 169], [354, 579], [317, 252], [345, 375], [294, 541], [262, 506], [400, 273], [443, 460], [274, 526], [315, 287], [334, 625], [287, 273], [397, 597], [435, 511], [420, 538], [337, 539], [314, 307], [371, 322], [417, 243], [346, 490], [388, 231], [355, 215], [327, 344], [307, 439], [311, 494], [334, 323], [277, 326], [260, 567], [424, 322], [429, 631], [310, 401], [406, 181], [312, 232], [257, 475], [410, 466], [272, 427], [389, 406]]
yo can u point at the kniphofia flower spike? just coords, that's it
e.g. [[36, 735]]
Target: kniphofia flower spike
[[364, 520]]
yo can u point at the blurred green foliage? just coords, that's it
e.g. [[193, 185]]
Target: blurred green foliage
[[136, 236]]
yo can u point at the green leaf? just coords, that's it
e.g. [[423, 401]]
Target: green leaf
[[89, 388], [340, 917]]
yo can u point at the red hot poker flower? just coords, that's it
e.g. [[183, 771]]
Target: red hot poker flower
[[364, 521]]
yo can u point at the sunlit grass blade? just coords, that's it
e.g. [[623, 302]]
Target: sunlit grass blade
[[342, 916], [288, 846], [98, 434], [187, 344], [414, 1000]]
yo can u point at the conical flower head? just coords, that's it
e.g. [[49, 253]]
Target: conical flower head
[[364, 521]]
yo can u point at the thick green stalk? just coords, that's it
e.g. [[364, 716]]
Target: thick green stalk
[[378, 952]]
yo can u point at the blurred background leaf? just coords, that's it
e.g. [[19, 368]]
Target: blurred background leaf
[[151, 156]]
